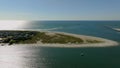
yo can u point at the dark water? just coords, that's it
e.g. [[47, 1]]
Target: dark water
[[43, 57], [48, 57]]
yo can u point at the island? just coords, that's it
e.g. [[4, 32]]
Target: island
[[47, 38]]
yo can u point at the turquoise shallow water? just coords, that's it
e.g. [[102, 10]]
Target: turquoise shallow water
[[50, 57]]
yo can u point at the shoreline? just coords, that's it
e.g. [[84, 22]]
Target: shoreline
[[70, 45], [105, 43]]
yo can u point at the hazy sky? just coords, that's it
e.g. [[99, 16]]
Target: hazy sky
[[60, 9]]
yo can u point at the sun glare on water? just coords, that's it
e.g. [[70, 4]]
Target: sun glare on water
[[11, 24]]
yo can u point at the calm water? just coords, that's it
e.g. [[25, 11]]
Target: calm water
[[48, 57]]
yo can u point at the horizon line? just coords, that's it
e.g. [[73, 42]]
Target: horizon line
[[59, 20]]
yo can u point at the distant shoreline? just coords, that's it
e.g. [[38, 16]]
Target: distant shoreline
[[73, 39]]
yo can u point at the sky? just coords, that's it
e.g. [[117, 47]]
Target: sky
[[59, 9]]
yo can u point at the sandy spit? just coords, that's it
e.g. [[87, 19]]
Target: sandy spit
[[106, 43]]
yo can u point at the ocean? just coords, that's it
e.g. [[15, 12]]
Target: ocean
[[53, 57]]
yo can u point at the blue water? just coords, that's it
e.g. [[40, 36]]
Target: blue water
[[51, 57], [92, 28]]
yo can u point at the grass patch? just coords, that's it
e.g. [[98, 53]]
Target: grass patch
[[93, 41], [57, 38]]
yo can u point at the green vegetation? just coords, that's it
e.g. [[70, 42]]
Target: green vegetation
[[93, 41], [57, 38], [30, 37]]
